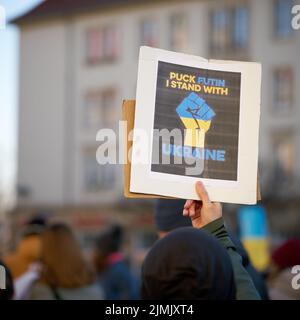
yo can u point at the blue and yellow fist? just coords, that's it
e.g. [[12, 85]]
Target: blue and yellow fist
[[196, 115]]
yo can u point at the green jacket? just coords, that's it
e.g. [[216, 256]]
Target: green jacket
[[245, 289]]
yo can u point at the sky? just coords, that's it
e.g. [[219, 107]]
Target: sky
[[9, 96]]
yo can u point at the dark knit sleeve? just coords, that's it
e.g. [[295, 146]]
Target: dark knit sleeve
[[243, 282]]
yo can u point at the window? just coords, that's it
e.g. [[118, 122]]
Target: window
[[240, 27], [102, 44], [179, 32], [148, 33], [229, 30], [93, 45], [284, 154], [283, 18], [220, 34], [100, 110], [97, 177], [283, 89], [92, 112], [109, 108]]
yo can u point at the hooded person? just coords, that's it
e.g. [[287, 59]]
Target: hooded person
[[207, 216], [168, 216], [187, 264]]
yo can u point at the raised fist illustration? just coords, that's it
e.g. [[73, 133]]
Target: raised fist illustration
[[196, 116]]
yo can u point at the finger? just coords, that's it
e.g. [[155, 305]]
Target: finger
[[192, 211], [202, 193], [188, 204], [185, 212], [199, 205]]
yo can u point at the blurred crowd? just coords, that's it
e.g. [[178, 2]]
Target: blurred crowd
[[195, 257], [48, 263]]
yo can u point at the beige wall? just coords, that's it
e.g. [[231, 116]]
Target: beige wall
[[41, 112]]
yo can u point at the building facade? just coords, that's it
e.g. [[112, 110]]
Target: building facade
[[77, 64]]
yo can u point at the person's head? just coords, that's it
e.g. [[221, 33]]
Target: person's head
[[168, 216], [34, 226], [285, 256], [187, 264], [63, 260], [29, 245], [108, 242]]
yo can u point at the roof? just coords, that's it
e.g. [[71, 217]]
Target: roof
[[58, 8]]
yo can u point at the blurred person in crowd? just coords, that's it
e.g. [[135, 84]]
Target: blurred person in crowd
[[168, 216], [113, 272], [257, 277], [283, 259], [285, 256], [23, 284], [65, 274], [197, 264], [28, 249], [8, 292]]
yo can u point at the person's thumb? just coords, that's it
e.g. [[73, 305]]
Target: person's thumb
[[202, 193]]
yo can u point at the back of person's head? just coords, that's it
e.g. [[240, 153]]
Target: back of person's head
[[168, 215], [29, 244], [64, 263], [287, 254], [187, 264], [34, 226], [108, 242]]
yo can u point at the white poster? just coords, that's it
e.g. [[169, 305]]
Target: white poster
[[196, 120]]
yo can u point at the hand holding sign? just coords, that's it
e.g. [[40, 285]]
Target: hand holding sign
[[202, 212]]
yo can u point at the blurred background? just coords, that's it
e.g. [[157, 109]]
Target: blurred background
[[66, 66]]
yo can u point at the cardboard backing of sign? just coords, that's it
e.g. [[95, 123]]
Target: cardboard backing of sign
[[128, 112]]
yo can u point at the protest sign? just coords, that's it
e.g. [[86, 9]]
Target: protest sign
[[196, 120]]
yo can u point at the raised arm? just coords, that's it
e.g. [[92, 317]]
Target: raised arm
[[207, 215]]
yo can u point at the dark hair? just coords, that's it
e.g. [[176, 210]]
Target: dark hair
[[107, 242], [110, 240], [35, 226]]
